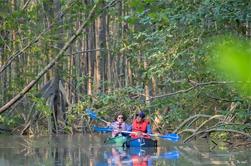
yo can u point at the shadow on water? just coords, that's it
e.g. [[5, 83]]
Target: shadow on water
[[89, 150]]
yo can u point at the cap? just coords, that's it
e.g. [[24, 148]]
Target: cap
[[141, 114]]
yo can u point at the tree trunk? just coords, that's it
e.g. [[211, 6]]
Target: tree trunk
[[154, 87], [3, 81], [146, 86], [102, 45], [97, 73], [109, 67]]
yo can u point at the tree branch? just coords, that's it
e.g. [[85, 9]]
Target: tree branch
[[195, 85]]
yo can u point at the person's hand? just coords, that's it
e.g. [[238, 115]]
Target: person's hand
[[108, 123], [139, 133]]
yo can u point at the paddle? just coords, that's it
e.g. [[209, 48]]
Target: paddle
[[172, 155], [93, 115], [170, 137]]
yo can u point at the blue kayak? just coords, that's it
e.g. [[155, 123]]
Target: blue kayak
[[122, 141]]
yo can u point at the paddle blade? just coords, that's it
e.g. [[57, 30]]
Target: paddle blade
[[90, 113], [102, 129], [171, 137], [173, 155]]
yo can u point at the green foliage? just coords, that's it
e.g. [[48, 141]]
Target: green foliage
[[169, 35], [231, 57], [176, 115], [10, 121], [41, 105], [242, 115]]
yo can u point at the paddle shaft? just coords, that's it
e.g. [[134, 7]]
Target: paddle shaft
[[171, 137], [102, 120], [133, 132]]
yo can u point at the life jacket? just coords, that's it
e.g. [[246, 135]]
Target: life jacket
[[139, 126], [118, 126]]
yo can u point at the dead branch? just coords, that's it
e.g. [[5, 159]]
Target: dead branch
[[216, 130], [210, 119], [187, 131], [189, 119], [196, 85]]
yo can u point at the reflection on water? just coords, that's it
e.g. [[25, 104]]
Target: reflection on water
[[136, 156], [89, 150]]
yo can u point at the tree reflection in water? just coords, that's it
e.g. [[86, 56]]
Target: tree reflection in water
[[89, 150]]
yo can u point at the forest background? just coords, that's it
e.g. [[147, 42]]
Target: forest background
[[59, 57]]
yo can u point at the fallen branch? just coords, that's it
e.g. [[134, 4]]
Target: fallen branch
[[186, 131], [210, 119], [242, 144], [216, 130], [189, 119]]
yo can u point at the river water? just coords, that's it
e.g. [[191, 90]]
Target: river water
[[89, 150]]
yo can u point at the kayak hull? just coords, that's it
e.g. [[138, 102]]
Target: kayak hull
[[116, 141], [123, 141]]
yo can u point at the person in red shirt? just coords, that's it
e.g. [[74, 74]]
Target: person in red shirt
[[141, 126]]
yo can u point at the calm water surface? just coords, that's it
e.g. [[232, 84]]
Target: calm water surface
[[89, 150]]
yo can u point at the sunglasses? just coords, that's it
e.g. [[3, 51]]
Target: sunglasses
[[120, 117]]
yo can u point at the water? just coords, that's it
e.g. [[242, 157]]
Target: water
[[89, 150]]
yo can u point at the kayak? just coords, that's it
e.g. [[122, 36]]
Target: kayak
[[141, 142], [119, 140], [124, 141]]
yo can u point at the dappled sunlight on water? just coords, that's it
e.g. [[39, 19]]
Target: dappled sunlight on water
[[89, 150]]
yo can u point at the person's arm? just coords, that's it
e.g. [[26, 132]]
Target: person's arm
[[110, 124], [129, 128], [149, 129]]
